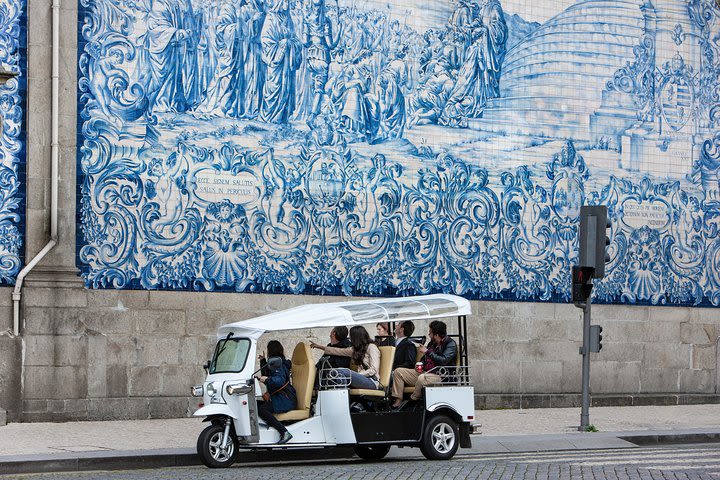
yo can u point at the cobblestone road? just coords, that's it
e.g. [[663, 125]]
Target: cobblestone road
[[654, 463]]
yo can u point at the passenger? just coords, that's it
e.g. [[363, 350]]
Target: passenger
[[281, 396], [441, 350], [366, 356], [339, 339], [405, 349], [384, 338]]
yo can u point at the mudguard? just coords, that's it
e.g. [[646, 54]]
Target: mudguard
[[215, 409], [439, 405]]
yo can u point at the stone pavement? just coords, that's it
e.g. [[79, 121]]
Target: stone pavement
[[669, 462], [73, 446]]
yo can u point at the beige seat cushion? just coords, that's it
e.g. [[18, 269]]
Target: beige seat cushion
[[293, 415], [387, 354], [303, 378]]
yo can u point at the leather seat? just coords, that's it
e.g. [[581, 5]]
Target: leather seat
[[387, 354], [303, 379]]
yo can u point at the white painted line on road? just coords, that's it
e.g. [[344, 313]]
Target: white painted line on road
[[597, 457]]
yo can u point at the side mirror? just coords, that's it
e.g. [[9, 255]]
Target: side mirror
[[206, 367]]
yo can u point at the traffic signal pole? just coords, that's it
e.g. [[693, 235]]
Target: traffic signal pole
[[585, 350], [593, 241]]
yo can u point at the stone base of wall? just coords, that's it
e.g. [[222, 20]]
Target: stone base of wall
[[133, 354], [10, 383], [510, 401], [93, 409]]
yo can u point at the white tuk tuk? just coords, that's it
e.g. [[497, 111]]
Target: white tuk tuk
[[328, 412]]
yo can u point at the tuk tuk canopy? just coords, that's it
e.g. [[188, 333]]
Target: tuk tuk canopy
[[357, 312]]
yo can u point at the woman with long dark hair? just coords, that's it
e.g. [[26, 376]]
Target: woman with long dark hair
[[275, 373], [365, 355]]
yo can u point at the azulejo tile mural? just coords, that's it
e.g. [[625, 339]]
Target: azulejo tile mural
[[12, 139], [333, 146]]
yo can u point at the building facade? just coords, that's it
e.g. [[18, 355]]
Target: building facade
[[219, 159]]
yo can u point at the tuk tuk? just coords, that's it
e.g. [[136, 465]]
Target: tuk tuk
[[328, 412]]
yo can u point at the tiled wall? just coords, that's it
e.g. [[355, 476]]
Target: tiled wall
[[13, 58], [383, 148]]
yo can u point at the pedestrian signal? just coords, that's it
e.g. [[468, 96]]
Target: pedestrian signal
[[581, 283]]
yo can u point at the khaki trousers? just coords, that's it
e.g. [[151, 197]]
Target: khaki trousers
[[409, 377]]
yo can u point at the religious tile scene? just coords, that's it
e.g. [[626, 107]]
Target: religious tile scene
[[366, 148]]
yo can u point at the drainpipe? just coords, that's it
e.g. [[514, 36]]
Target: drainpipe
[[54, 155]]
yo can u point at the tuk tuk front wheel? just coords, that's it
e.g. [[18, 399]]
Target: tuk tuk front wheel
[[440, 438], [371, 452], [209, 447]]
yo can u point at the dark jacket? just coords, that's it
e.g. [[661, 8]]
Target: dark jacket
[[385, 341], [405, 354], [335, 361], [443, 354], [282, 395]]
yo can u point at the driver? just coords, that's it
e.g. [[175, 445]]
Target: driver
[[281, 396]]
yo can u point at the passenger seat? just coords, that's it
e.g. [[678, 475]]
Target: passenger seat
[[387, 354]]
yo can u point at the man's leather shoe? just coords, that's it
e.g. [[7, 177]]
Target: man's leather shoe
[[285, 437], [402, 404]]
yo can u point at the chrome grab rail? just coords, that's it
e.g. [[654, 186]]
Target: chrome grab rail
[[451, 375], [330, 378]]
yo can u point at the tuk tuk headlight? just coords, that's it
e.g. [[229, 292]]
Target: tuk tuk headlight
[[214, 394], [196, 391], [239, 389]]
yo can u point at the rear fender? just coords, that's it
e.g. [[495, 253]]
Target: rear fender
[[445, 408]]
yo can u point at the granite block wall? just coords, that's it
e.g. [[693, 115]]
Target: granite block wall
[[135, 354]]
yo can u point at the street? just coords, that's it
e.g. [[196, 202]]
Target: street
[[700, 461]]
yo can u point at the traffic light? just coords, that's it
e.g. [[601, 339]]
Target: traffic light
[[594, 239], [595, 338], [581, 283]]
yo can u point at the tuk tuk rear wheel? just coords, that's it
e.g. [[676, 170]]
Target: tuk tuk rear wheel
[[440, 438], [371, 452], [209, 447]]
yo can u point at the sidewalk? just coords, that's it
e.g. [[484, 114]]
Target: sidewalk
[[38, 447]]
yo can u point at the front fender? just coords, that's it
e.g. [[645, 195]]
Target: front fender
[[215, 409]]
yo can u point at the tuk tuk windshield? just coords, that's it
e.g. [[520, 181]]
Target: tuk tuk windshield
[[230, 355]]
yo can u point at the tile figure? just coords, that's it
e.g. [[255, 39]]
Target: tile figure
[[324, 146]]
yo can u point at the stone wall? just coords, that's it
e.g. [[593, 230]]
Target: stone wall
[[134, 354]]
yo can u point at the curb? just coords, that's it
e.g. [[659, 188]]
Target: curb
[[138, 460], [672, 438]]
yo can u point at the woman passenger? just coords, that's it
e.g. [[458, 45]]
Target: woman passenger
[[384, 338], [364, 353], [275, 373]]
